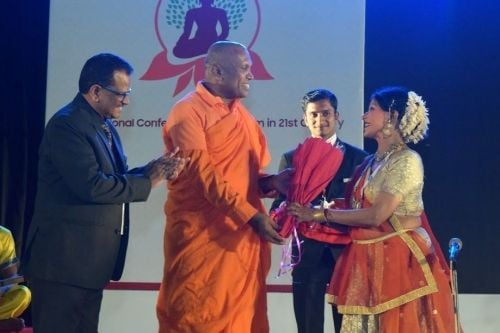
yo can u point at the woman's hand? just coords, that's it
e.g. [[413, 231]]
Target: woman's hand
[[304, 213]]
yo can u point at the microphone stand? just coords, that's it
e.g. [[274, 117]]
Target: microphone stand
[[454, 292]]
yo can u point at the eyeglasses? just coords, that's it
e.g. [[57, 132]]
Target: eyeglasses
[[123, 95]]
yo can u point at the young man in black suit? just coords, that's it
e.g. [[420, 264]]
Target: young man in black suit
[[313, 273], [79, 233]]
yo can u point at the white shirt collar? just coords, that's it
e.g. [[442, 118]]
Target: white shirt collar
[[332, 140]]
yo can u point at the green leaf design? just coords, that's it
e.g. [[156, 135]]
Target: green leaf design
[[176, 11]]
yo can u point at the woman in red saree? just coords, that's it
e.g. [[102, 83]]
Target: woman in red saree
[[393, 276]]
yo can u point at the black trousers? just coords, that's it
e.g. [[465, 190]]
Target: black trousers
[[310, 279], [58, 307]]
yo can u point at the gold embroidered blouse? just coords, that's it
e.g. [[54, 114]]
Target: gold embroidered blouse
[[402, 174]]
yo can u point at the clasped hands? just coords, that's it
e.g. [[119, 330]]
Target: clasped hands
[[268, 229], [306, 213], [166, 167]]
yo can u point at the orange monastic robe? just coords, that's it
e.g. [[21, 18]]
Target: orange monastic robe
[[215, 264]]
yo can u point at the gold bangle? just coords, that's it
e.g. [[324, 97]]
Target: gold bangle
[[319, 215]]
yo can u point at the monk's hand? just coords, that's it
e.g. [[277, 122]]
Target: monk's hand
[[281, 181], [303, 213], [271, 185], [266, 228]]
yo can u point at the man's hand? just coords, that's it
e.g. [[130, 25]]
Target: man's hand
[[266, 228], [281, 181], [166, 167], [271, 184], [174, 169]]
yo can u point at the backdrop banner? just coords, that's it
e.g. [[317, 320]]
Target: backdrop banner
[[295, 47]]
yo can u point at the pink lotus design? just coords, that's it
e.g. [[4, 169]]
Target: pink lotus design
[[163, 66]]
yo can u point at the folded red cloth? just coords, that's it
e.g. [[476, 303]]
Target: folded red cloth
[[315, 162], [329, 233]]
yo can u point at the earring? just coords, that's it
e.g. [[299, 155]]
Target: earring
[[387, 129]]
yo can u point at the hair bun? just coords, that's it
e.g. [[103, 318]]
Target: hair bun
[[415, 121]]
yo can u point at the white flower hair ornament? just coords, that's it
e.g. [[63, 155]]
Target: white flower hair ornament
[[415, 122]]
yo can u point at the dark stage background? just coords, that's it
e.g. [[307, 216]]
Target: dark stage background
[[445, 50]]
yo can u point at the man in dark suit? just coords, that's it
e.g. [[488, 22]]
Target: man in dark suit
[[313, 273], [79, 233]]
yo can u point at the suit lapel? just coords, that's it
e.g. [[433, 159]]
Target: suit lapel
[[104, 142], [332, 187], [119, 156]]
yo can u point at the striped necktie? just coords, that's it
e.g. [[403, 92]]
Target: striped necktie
[[107, 131]]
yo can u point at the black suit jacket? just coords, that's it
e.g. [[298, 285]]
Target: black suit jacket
[[312, 249], [82, 200]]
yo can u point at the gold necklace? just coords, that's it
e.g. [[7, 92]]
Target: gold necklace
[[394, 147]]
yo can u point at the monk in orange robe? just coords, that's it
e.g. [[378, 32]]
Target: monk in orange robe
[[216, 242]]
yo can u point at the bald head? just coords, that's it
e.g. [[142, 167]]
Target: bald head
[[220, 52], [228, 70]]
